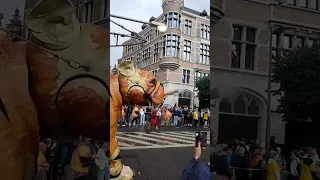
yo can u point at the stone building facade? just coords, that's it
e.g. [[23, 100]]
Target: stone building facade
[[240, 60], [179, 55]]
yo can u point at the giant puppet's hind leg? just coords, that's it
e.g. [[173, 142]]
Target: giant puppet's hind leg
[[118, 171]]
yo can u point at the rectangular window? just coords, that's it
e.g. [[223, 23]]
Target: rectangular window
[[251, 35], [287, 41], [314, 4], [155, 72], [155, 53], [204, 54], [187, 50], [292, 2], [205, 31], [236, 53], [275, 40], [187, 27], [237, 33], [171, 45], [244, 39], [249, 62], [304, 3], [186, 76], [145, 58]]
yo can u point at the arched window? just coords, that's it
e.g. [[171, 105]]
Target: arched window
[[240, 105], [172, 20], [171, 45], [185, 98], [253, 108], [225, 106]]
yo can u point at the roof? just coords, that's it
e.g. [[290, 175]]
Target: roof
[[192, 11]]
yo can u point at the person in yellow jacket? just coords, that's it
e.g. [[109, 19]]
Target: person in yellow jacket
[[82, 159], [195, 117], [273, 169], [135, 116], [308, 166]]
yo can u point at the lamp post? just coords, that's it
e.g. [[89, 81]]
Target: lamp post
[[276, 31], [160, 26]]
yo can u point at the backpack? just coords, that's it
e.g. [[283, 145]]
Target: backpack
[[67, 150]]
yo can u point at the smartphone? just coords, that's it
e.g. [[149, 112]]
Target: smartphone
[[201, 137]]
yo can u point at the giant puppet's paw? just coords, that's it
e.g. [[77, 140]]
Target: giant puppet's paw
[[126, 174]]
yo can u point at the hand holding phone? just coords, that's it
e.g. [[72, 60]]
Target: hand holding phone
[[201, 137]]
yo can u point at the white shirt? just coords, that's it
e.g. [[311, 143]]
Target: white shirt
[[141, 111], [159, 113], [293, 167], [101, 159]]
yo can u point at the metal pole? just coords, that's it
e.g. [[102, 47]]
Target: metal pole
[[130, 19], [268, 127]]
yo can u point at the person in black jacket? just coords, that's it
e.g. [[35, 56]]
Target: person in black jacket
[[220, 163], [241, 164]]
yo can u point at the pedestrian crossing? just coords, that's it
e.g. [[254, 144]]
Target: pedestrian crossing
[[153, 140]]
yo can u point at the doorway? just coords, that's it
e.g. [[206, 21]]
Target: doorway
[[185, 98], [233, 126]]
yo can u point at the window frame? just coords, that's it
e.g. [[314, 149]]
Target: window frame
[[155, 52], [204, 54], [187, 27], [187, 50], [242, 43], [186, 76], [205, 31], [170, 18], [167, 43], [145, 57]]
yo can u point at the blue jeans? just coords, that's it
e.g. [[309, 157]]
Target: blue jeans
[[103, 174], [142, 119], [175, 120]]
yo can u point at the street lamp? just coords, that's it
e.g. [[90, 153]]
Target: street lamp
[[160, 26], [276, 31]]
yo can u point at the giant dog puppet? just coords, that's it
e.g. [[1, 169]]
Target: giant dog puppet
[[59, 83]]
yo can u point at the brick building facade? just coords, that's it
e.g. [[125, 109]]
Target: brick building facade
[[179, 55]]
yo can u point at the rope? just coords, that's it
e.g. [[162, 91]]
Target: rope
[[255, 169], [73, 64]]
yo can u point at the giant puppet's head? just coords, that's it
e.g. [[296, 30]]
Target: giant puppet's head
[[138, 86]]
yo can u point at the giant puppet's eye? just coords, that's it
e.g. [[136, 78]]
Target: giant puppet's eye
[[154, 81]]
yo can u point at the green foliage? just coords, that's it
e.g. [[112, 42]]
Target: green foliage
[[298, 74], [203, 87]]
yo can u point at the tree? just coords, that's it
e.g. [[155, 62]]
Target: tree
[[298, 74], [203, 88]]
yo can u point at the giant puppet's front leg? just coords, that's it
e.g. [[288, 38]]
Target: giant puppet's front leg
[[118, 171], [19, 141]]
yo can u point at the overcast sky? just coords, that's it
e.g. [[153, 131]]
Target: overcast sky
[[141, 10], [7, 7]]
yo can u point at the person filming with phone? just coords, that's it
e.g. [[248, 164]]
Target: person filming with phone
[[197, 170]]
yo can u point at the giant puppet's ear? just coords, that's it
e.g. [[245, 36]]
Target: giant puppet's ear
[[126, 68]]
